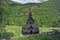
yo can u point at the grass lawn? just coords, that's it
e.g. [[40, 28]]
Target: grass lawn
[[39, 37], [16, 30]]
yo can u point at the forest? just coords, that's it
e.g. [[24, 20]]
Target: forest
[[14, 15]]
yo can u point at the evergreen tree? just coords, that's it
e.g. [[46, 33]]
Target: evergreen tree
[[4, 9]]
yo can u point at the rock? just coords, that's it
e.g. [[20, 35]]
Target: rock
[[52, 32], [56, 31]]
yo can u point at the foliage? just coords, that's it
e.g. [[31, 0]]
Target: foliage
[[44, 14], [4, 11], [40, 37], [7, 35]]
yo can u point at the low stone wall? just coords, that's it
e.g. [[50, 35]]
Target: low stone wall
[[51, 32], [2, 39]]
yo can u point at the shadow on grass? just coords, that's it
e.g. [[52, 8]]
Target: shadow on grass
[[41, 37], [6, 35]]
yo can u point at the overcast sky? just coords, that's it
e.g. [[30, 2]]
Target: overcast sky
[[29, 1]]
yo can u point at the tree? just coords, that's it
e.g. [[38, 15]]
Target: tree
[[4, 13]]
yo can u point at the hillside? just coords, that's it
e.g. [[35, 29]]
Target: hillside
[[14, 15], [45, 14]]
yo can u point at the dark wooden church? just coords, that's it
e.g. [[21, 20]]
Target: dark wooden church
[[30, 27]]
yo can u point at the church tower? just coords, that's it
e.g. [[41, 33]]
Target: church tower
[[30, 27]]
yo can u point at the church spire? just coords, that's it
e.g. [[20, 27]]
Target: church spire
[[30, 27], [30, 19]]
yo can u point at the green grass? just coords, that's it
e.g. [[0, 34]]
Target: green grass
[[39, 37], [44, 14], [17, 30]]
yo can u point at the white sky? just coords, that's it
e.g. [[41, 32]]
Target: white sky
[[29, 1]]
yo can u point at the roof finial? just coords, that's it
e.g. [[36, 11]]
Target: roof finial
[[30, 13]]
